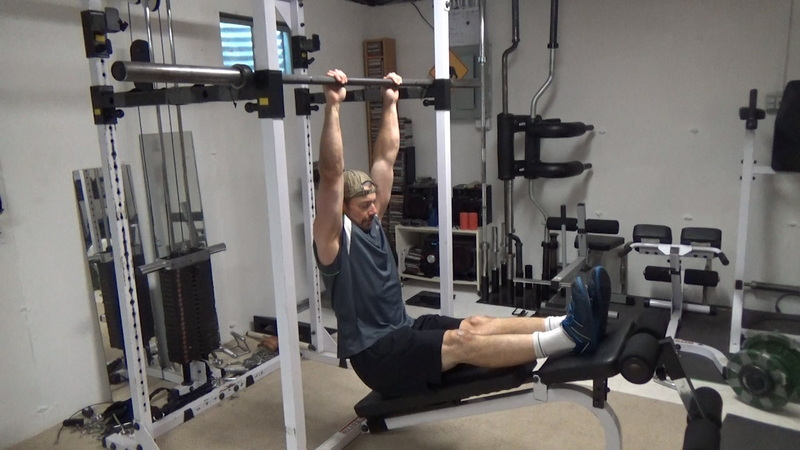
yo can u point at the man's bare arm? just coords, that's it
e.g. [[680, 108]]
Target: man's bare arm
[[328, 221], [386, 146]]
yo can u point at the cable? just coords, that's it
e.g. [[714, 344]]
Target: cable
[[58, 436], [420, 14]]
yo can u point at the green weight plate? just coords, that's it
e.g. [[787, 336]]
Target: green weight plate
[[791, 360], [763, 338], [786, 350], [759, 379]]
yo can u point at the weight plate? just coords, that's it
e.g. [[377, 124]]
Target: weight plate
[[786, 350], [758, 379], [762, 338]]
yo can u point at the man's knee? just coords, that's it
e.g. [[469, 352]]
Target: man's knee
[[456, 343], [475, 323]]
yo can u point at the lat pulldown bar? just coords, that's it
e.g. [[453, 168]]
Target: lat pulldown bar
[[236, 76]]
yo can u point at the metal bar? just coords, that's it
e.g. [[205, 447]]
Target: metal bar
[[568, 273], [352, 81], [122, 248], [441, 54], [236, 76], [748, 165], [282, 257], [784, 288], [182, 261]]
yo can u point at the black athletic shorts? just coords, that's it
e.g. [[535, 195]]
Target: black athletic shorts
[[407, 360]]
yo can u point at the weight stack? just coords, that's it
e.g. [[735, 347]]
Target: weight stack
[[108, 287], [190, 314]]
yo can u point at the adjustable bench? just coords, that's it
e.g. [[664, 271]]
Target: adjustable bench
[[468, 390]]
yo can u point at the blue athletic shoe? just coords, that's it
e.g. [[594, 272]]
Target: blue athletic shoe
[[600, 293], [579, 323]]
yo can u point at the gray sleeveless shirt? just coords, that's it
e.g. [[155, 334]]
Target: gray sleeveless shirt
[[365, 288]]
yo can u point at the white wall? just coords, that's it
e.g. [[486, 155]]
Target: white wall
[[662, 83], [51, 365], [661, 80]]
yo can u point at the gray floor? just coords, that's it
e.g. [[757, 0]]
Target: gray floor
[[254, 420], [651, 415]]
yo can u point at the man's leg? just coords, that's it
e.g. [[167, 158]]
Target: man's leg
[[489, 342], [599, 286], [486, 325]]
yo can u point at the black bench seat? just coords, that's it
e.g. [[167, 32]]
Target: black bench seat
[[466, 381]]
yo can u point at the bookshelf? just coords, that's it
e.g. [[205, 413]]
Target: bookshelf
[[411, 250], [379, 59]]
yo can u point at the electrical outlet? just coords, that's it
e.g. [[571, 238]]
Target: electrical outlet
[[773, 102]]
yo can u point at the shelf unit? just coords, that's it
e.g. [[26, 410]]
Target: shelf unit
[[410, 238], [379, 59]]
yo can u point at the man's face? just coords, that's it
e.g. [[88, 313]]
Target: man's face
[[361, 210]]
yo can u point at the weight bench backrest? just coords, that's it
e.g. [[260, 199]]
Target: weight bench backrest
[[599, 235], [700, 236], [652, 233]]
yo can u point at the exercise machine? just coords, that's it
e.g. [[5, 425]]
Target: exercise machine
[[262, 89], [107, 107], [695, 242]]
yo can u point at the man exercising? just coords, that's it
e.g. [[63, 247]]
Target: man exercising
[[391, 352]]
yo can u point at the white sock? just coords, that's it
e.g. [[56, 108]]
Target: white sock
[[553, 322], [551, 343]]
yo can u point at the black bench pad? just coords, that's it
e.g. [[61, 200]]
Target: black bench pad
[[601, 364], [466, 381], [461, 382], [602, 243]]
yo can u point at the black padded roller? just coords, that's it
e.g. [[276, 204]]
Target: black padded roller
[[701, 434], [638, 359], [696, 277], [653, 322], [657, 273], [710, 403], [554, 223]]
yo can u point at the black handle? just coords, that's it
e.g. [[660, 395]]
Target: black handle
[[555, 128], [751, 115], [553, 24], [723, 259], [556, 170]]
